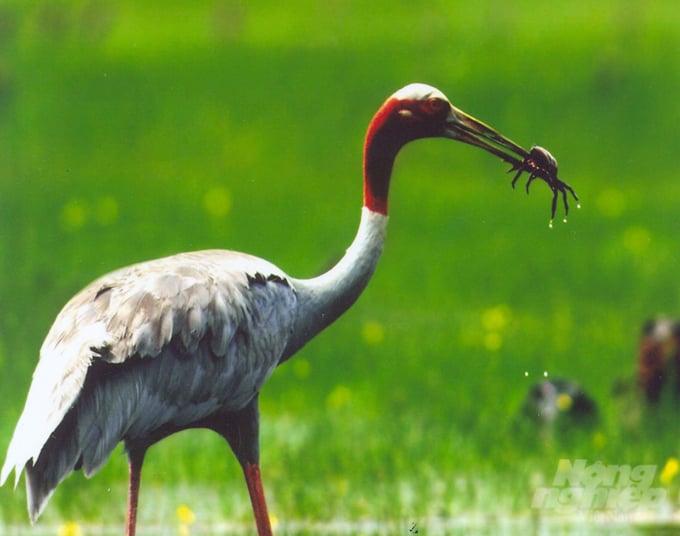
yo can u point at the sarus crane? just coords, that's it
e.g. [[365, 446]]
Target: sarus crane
[[188, 341]]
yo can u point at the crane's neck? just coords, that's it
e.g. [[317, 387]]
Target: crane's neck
[[323, 299], [383, 142]]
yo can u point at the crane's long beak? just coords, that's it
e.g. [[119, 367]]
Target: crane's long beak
[[463, 127]]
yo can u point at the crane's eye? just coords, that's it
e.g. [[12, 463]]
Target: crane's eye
[[435, 105]]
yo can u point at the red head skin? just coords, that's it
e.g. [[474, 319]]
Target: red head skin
[[401, 119]]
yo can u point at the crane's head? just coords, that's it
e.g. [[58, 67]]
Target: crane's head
[[420, 111]]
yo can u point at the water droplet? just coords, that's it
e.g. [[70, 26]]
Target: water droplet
[[578, 205], [564, 220], [526, 373], [545, 373], [550, 224]]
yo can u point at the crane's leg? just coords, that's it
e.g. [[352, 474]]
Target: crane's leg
[[256, 491], [135, 461], [241, 429]]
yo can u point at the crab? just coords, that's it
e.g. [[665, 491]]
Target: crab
[[539, 163]]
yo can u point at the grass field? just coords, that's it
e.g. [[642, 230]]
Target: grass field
[[129, 131]]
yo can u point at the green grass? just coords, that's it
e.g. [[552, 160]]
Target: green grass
[[118, 121]]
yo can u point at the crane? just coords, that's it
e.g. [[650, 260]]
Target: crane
[[188, 341]]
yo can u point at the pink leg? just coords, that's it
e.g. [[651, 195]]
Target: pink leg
[[135, 464], [254, 481]]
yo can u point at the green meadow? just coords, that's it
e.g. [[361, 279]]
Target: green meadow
[[134, 130]]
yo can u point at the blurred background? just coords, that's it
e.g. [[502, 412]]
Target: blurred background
[[133, 130]]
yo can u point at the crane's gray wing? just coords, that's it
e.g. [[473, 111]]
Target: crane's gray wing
[[234, 307]]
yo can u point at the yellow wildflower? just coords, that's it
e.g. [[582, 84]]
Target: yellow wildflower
[[71, 528], [669, 471], [339, 397], [599, 440], [185, 514], [217, 202], [372, 332], [564, 402]]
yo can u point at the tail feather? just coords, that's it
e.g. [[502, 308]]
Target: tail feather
[[58, 458], [77, 443], [38, 492], [84, 439]]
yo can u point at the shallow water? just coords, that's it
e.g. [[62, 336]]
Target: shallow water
[[605, 526]]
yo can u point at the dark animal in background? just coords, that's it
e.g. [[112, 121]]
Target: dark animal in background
[[558, 400], [658, 363]]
